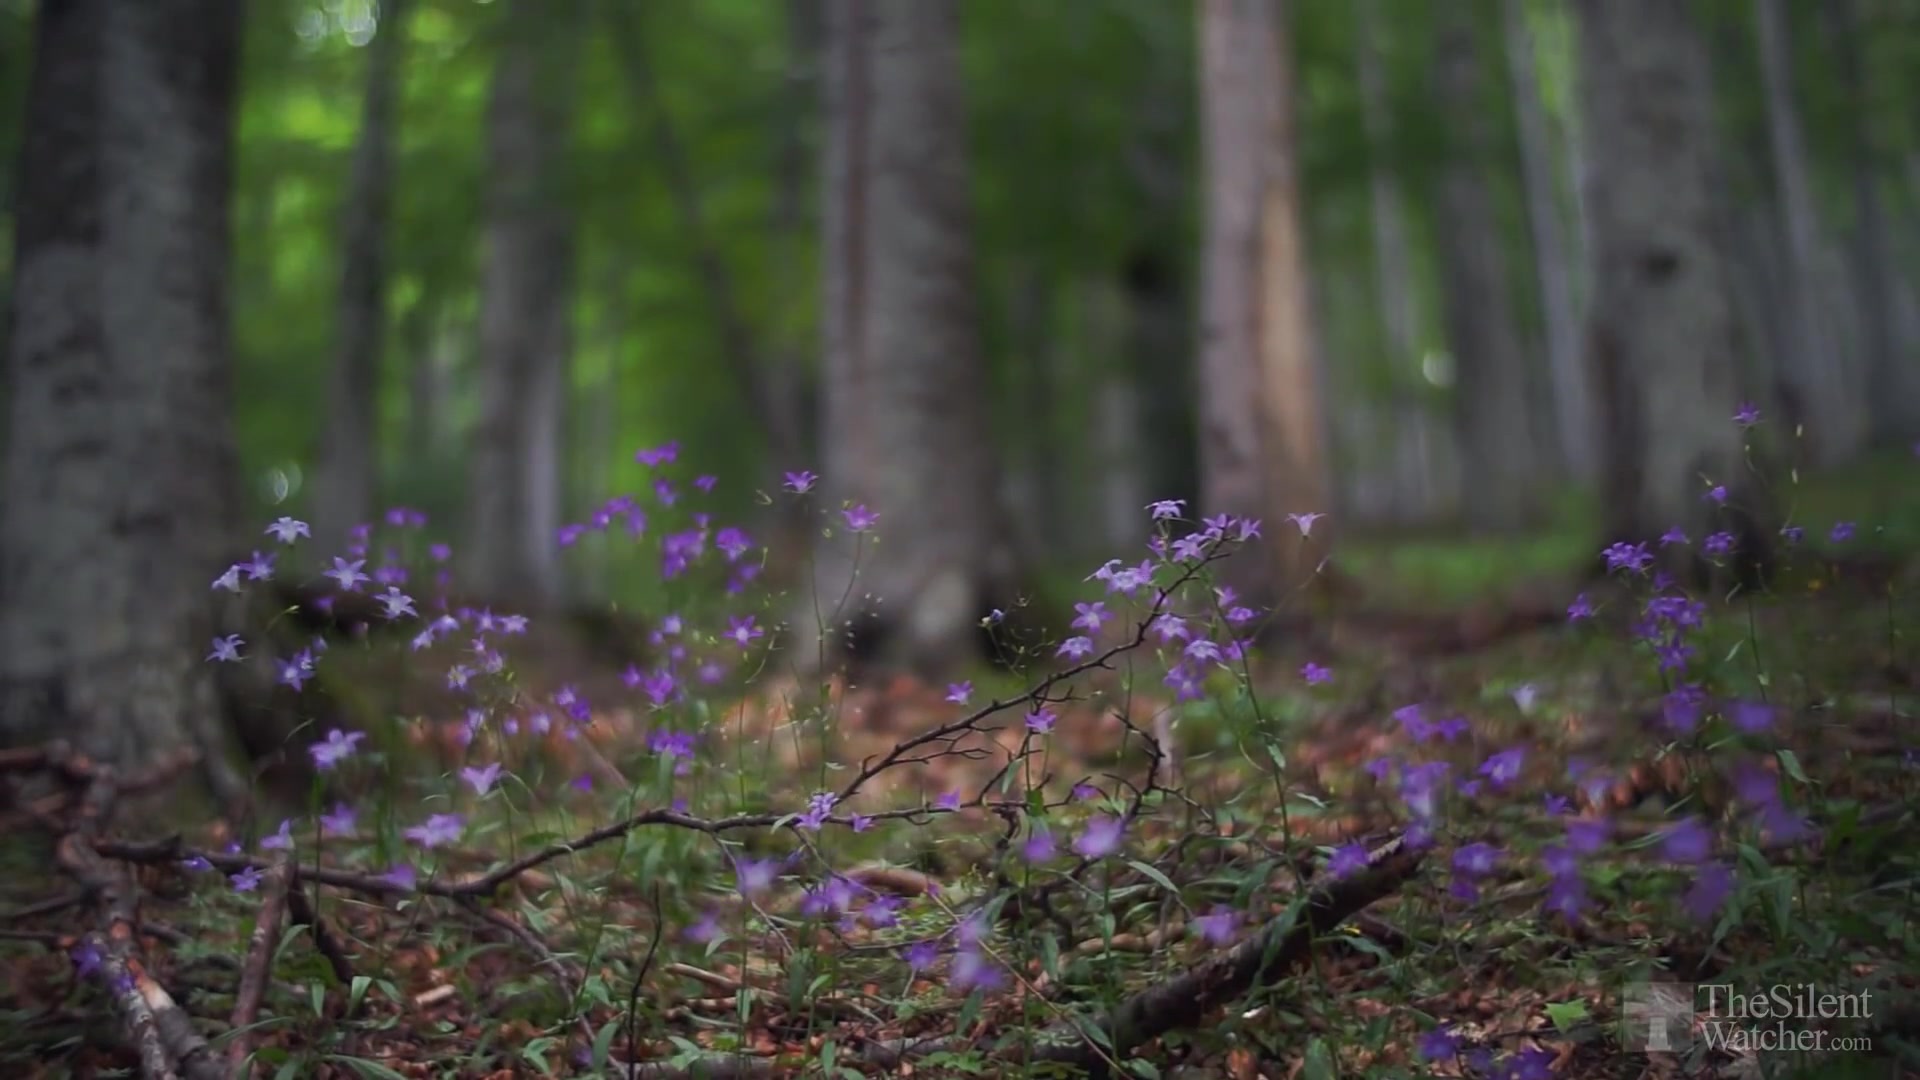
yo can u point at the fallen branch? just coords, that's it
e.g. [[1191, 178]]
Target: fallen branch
[[300, 909], [158, 1028], [1182, 1002], [259, 966], [1261, 960], [569, 980], [44, 907]]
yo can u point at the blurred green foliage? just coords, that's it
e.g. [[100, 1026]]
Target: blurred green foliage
[[1083, 145]]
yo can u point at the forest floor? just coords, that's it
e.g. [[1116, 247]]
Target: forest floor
[[1459, 854]]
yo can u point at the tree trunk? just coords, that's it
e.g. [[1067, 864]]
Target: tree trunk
[[903, 407], [1502, 480], [525, 292], [1894, 379], [345, 480], [1663, 342], [1553, 261], [1262, 439], [1822, 381], [120, 468]]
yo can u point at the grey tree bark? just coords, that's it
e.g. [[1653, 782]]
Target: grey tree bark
[[1553, 258], [1824, 387], [346, 476], [1501, 475], [120, 474], [903, 409], [525, 307], [1663, 344], [1263, 441], [1892, 378]]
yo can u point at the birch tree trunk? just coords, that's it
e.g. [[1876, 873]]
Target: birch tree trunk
[[1824, 386], [345, 479], [1662, 338], [1500, 463], [120, 478], [1262, 437], [1552, 258], [904, 413], [525, 292]]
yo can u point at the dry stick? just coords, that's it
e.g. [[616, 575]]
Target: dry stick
[[710, 1066], [324, 939], [44, 907], [158, 1028], [1184, 1001], [568, 983], [1181, 1002], [1259, 961], [259, 966]]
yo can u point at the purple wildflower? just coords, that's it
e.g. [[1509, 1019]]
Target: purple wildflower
[[1101, 837], [439, 829], [1687, 841], [1346, 860]]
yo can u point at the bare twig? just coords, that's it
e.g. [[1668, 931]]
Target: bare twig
[[44, 907], [158, 1028], [255, 973], [300, 908], [569, 982], [1261, 960]]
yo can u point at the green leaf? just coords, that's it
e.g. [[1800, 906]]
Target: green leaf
[[535, 1052], [356, 991], [1143, 1067], [603, 1042], [1566, 1014], [1319, 1062], [1791, 762], [1159, 878], [373, 1070]]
